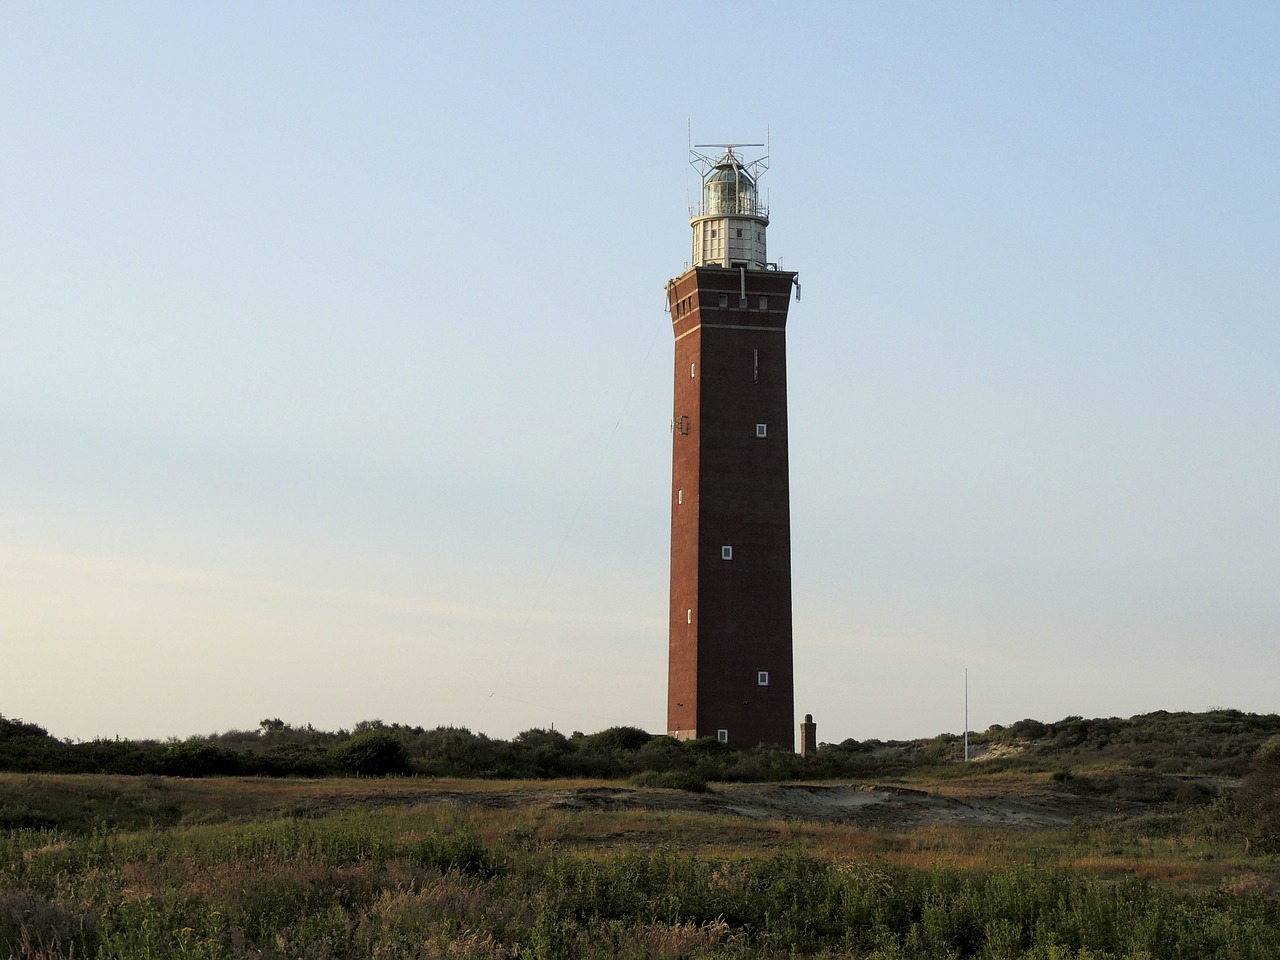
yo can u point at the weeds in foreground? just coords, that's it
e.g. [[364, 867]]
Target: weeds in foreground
[[437, 882]]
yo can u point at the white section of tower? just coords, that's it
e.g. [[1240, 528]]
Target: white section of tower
[[729, 223]]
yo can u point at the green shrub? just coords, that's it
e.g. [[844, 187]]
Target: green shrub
[[458, 849], [196, 758], [671, 780], [376, 753], [1259, 797], [619, 739]]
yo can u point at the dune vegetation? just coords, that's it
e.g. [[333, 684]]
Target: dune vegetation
[[1148, 847]]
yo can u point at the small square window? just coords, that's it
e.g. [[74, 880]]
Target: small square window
[[724, 300], [762, 678], [742, 303], [713, 232], [762, 430], [764, 303], [739, 232], [726, 553], [722, 735]]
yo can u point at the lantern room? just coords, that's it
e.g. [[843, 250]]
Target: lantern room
[[729, 222]]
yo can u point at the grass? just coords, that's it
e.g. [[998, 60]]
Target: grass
[[80, 802], [219, 869]]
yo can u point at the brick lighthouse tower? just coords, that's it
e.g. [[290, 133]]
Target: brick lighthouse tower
[[730, 673]]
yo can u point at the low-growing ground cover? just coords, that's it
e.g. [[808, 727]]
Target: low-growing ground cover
[[223, 868]]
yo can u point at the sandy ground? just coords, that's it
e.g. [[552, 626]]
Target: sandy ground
[[865, 805], [856, 804]]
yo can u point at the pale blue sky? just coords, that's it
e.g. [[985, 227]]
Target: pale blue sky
[[335, 379]]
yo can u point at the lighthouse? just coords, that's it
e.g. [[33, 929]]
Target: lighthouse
[[730, 658]]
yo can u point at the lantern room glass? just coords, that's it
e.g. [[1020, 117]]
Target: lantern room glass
[[728, 190]]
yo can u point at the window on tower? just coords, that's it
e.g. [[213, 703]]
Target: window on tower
[[724, 301], [722, 735], [726, 553], [762, 431], [762, 678]]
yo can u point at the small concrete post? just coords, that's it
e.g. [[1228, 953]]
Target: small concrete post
[[808, 736]]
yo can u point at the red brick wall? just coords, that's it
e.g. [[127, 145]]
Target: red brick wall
[[735, 493]]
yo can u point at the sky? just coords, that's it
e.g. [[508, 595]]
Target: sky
[[335, 377]]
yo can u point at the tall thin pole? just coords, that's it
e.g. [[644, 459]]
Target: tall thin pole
[[966, 714]]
